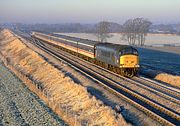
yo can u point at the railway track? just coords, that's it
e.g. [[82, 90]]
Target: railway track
[[164, 91], [154, 110], [167, 90]]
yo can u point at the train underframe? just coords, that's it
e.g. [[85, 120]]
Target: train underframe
[[127, 72]]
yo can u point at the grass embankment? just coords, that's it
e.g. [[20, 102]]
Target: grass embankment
[[170, 79], [61, 91]]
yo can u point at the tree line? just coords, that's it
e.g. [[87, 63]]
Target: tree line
[[133, 30]]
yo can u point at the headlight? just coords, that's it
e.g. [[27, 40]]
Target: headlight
[[121, 65], [137, 65]]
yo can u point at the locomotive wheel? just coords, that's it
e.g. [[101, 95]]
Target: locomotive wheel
[[128, 73]]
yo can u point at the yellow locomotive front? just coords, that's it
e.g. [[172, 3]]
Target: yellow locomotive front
[[129, 61]]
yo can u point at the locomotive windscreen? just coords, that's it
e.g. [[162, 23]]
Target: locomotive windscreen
[[129, 51]]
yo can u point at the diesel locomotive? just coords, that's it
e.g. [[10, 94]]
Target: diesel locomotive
[[121, 59]]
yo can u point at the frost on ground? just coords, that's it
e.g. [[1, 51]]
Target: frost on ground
[[170, 79], [18, 106], [62, 90]]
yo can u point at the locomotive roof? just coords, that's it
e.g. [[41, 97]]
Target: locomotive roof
[[113, 46]]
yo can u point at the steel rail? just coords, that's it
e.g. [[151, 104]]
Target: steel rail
[[174, 117]]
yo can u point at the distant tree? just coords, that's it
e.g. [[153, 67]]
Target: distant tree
[[136, 30], [129, 32], [103, 31]]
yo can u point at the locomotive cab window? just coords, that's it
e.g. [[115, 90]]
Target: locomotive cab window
[[128, 51]]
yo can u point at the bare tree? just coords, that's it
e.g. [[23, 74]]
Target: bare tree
[[102, 31], [136, 30], [129, 32]]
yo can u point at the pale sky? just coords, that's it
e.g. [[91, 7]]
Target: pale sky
[[88, 11]]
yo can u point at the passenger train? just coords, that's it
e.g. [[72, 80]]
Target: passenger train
[[121, 59]]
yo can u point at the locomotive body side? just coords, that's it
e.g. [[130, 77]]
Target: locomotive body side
[[107, 53]]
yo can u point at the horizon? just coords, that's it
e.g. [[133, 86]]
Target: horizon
[[64, 12], [21, 23]]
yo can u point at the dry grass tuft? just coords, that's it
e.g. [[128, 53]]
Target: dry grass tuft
[[170, 79]]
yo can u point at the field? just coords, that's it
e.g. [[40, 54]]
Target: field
[[151, 39], [169, 62]]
